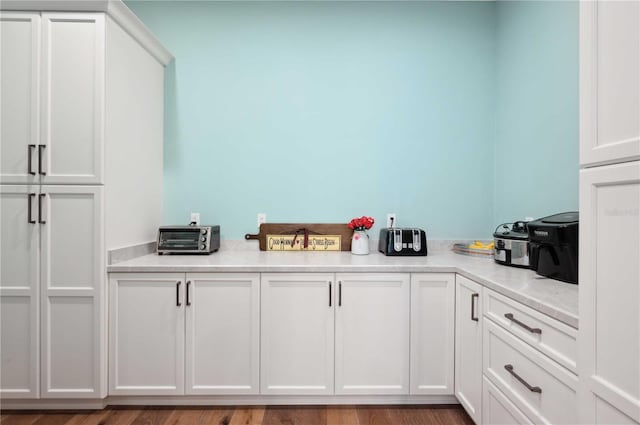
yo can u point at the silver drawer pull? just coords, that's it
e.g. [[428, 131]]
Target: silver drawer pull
[[522, 381], [517, 322]]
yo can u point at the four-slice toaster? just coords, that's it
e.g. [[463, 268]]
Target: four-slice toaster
[[396, 241]]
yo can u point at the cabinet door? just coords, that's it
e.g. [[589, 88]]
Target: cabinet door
[[146, 333], [372, 334], [19, 68], [609, 334], [609, 83], [468, 358], [297, 319], [432, 333], [19, 328], [72, 107], [222, 333], [72, 291]]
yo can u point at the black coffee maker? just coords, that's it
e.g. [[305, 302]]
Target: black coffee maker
[[553, 244]]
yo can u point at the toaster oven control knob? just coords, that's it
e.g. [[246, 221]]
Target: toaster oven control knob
[[203, 231], [202, 246], [203, 239]]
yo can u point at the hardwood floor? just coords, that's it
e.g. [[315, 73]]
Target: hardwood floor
[[269, 415]]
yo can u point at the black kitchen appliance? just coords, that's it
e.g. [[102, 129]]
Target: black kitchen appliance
[[554, 246], [511, 244], [402, 241]]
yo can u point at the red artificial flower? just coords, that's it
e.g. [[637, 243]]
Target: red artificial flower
[[361, 223]]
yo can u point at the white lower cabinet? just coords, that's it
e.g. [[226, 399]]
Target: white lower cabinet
[[51, 291], [72, 292], [223, 334], [528, 365], [146, 341], [372, 333], [610, 293], [468, 337], [432, 333], [297, 320], [19, 295], [150, 315], [344, 334], [371, 316], [542, 389]]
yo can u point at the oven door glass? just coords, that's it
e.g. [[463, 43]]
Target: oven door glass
[[180, 240]]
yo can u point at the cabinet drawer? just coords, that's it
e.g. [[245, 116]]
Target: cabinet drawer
[[551, 337], [538, 386], [497, 409]]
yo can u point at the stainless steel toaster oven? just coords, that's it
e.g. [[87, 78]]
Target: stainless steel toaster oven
[[188, 239]]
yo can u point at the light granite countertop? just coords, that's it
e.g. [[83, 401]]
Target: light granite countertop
[[551, 297]]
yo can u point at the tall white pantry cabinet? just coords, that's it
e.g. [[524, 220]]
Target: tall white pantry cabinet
[[609, 334], [81, 127]]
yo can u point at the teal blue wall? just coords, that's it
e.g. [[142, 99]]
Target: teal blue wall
[[455, 115], [536, 109], [322, 111]]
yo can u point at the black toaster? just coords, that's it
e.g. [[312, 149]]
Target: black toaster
[[402, 241]]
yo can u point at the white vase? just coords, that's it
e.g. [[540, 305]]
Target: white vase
[[360, 242]]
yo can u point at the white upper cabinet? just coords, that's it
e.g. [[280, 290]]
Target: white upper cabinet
[[19, 79], [53, 85], [372, 333], [72, 101], [609, 81]]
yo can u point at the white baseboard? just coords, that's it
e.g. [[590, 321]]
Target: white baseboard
[[97, 404], [54, 404]]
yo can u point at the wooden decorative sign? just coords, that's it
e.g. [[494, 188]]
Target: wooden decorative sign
[[317, 237], [319, 243]]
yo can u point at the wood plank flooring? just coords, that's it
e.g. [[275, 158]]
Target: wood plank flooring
[[260, 415]]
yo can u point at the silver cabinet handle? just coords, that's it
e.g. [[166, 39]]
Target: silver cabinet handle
[[40, 198], [519, 323], [522, 381], [30, 149], [40, 148], [30, 219], [339, 294], [178, 303], [474, 316]]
